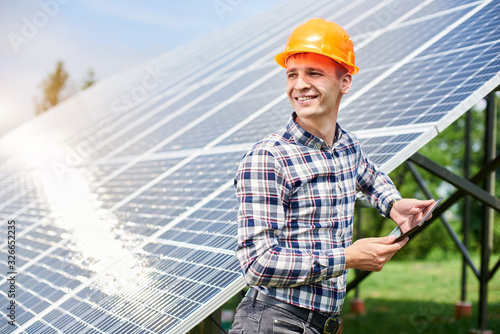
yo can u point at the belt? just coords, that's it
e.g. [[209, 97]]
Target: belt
[[330, 324]]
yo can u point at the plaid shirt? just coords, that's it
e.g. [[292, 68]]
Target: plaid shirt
[[296, 196]]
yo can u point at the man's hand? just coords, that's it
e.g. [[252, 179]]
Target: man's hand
[[405, 209], [372, 254]]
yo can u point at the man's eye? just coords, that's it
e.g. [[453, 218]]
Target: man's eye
[[291, 75], [315, 73]]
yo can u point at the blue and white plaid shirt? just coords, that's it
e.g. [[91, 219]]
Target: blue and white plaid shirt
[[296, 210]]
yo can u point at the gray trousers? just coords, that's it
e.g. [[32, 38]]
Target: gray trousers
[[258, 317]]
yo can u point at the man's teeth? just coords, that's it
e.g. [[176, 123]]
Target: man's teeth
[[305, 98]]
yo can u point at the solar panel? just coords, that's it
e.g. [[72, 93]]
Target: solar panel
[[122, 195]]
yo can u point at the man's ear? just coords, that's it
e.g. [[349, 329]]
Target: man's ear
[[346, 82]]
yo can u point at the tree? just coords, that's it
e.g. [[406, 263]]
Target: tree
[[53, 88], [447, 149], [89, 80]]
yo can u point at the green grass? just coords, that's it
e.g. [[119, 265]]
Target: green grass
[[409, 297], [419, 297]]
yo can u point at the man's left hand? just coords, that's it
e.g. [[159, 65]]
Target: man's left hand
[[405, 209]]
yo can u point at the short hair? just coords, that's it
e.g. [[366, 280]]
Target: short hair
[[340, 70]]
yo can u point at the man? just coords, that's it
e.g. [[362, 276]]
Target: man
[[297, 190]]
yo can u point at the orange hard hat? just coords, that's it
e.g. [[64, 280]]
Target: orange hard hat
[[322, 37]]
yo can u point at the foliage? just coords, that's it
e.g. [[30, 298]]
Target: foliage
[[53, 88], [89, 80], [448, 150]]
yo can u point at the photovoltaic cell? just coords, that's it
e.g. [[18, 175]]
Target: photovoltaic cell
[[127, 221]]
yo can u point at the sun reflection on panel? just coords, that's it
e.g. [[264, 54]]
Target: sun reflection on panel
[[97, 241]]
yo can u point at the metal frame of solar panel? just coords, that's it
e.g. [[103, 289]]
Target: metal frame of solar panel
[[122, 195]]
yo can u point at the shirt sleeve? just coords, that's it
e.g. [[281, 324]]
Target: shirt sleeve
[[263, 195], [377, 186]]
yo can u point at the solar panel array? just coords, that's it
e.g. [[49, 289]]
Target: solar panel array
[[122, 196]]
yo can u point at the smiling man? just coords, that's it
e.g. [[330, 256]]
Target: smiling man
[[297, 190], [315, 85]]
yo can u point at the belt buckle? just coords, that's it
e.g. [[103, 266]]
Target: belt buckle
[[331, 325]]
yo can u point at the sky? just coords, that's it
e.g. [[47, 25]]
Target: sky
[[105, 36]]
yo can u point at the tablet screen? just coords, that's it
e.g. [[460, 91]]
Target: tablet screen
[[427, 211]]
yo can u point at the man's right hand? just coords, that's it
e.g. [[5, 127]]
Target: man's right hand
[[371, 254]]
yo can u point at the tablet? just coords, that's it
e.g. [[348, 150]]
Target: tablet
[[427, 212]]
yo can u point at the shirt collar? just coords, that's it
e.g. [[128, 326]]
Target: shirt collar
[[308, 139]]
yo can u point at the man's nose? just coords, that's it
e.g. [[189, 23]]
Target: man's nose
[[301, 83]]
